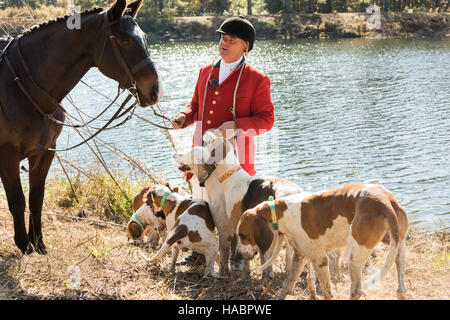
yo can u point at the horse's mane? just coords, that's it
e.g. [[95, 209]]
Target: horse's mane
[[51, 22]]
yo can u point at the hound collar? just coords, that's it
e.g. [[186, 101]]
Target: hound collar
[[202, 183], [164, 198], [273, 213], [143, 225], [229, 173]]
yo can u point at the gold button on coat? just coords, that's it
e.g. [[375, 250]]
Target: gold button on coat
[[214, 102], [211, 111], [216, 93], [208, 122]]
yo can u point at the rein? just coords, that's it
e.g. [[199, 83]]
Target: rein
[[79, 144]]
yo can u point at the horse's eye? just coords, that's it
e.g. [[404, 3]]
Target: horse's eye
[[124, 42]]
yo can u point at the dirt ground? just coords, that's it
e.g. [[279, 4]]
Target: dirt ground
[[90, 260]]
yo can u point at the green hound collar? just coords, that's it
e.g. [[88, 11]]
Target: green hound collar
[[274, 214], [202, 184], [143, 225], [164, 198]]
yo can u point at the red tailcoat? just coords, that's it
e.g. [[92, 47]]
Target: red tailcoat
[[254, 108]]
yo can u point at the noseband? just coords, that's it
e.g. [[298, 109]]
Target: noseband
[[118, 55]]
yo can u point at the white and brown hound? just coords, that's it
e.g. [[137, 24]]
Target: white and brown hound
[[230, 187], [356, 215], [137, 228], [189, 225]]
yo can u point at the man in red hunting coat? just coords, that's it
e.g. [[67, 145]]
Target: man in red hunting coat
[[254, 112], [232, 97]]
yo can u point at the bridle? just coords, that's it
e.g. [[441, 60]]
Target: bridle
[[130, 72]]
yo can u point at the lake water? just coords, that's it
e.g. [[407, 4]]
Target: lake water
[[346, 110]]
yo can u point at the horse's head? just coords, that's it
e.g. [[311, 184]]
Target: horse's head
[[122, 53]]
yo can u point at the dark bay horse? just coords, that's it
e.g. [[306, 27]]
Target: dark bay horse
[[37, 70]]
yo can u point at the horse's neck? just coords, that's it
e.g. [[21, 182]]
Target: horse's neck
[[59, 57]]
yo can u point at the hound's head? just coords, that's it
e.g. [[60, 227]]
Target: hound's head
[[220, 149], [201, 161], [197, 161], [149, 214], [254, 231], [157, 194]]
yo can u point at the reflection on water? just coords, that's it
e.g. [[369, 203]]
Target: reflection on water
[[346, 110]]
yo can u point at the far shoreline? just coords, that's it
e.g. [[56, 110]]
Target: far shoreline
[[290, 26], [304, 26]]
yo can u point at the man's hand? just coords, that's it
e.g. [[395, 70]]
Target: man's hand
[[178, 121], [227, 129]]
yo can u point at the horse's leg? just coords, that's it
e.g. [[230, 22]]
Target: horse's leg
[[39, 166], [9, 173]]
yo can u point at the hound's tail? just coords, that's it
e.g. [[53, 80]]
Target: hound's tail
[[174, 235], [392, 253], [278, 241], [157, 256]]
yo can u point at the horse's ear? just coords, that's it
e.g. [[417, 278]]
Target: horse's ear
[[134, 7], [117, 9]]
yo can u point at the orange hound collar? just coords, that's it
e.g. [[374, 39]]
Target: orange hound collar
[[229, 174]]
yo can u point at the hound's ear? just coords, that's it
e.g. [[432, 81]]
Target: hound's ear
[[263, 234], [219, 149], [149, 198], [117, 10], [175, 189], [133, 8]]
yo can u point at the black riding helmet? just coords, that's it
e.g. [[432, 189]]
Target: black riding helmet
[[239, 27]]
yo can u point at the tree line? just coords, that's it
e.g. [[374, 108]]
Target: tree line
[[171, 8]]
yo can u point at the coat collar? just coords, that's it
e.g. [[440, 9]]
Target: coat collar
[[215, 73], [217, 64]]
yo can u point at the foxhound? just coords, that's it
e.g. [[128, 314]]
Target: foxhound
[[355, 215], [231, 188], [189, 225]]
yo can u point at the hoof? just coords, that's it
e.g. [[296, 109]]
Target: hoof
[[401, 295], [26, 247], [41, 248], [356, 295], [29, 250], [38, 244]]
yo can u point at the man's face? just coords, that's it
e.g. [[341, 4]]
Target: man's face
[[231, 48]]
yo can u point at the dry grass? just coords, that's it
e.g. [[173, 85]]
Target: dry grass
[[111, 268], [15, 20]]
